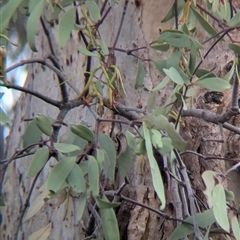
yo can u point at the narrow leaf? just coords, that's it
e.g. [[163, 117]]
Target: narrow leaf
[[81, 205], [173, 74], [32, 24], [39, 159], [65, 147], [93, 175], [104, 203], [234, 47], [59, 173], [162, 84], [235, 20], [171, 12], [85, 52], [93, 10], [220, 207], [44, 124], [66, 25], [109, 224], [235, 228], [140, 75], [156, 176], [42, 233], [214, 84]]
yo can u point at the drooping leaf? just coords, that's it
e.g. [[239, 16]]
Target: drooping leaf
[[100, 156], [42, 234], [93, 10], [59, 173], [125, 161], [156, 139], [159, 122], [104, 47], [93, 175], [235, 21], [81, 205], [235, 228], [160, 64], [151, 101], [44, 124], [214, 84], [109, 224], [156, 176], [6, 13], [204, 219], [83, 132], [234, 47], [192, 59], [163, 47], [39, 159], [162, 84], [173, 74], [104, 203], [107, 144], [32, 24], [32, 134], [140, 75], [65, 147], [204, 23], [66, 25], [220, 207], [76, 179], [86, 52], [171, 12]]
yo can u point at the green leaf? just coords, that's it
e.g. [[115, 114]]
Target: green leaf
[[220, 207], [107, 144], [81, 205], [3, 116], [156, 137], [38, 161], [203, 73], [235, 21], [66, 25], [234, 47], [163, 47], [140, 75], [156, 176], [124, 161], [76, 179], [85, 52], [104, 47], [204, 219], [104, 203], [151, 101], [100, 156], [93, 10], [235, 228], [6, 12], [44, 124], [161, 123], [32, 24], [65, 147], [192, 59], [59, 173], [229, 75], [171, 12], [162, 84], [93, 175], [167, 146], [173, 74], [32, 134], [109, 224], [214, 84], [204, 23], [83, 132]]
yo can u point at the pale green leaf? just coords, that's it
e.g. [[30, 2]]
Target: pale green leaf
[[234, 47], [171, 12], [81, 205], [156, 137], [93, 10], [65, 147], [104, 203], [44, 124], [76, 179], [3, 116], [66, 25], [93, 175], [162, 84], [204, 219], [140, 75], [104, 47], [107, 144], [125, 161], [59, 173], [85, 52], [163, 47], [166, 146], [109, 224], [220, 207], [156, 176], [235, 21], [214, 84], [235, 228], [173, 74], [151, 101], [7, 12], [32, 24], [38, 161]]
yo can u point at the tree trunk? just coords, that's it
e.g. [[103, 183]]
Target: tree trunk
[[140, 27]]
